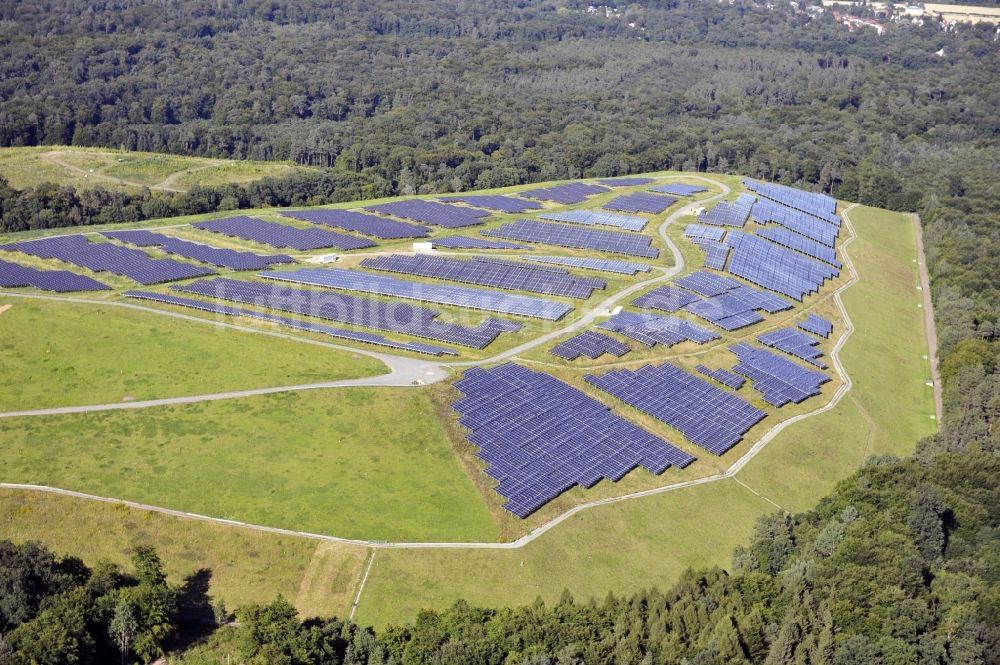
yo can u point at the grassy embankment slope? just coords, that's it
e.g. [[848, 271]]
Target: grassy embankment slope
[[87, 168]]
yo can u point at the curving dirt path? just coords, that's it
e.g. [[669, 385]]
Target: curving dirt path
[[524, 540]]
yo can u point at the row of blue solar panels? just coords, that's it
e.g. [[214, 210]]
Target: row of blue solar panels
[[465, 242], [778, 379], [786, 238], [432, 212], [710, 417], [775, 268], [605, 265], [215, 308], [794, 342], [494, 202], [591, 344], [678, 189], [568, 194], [716, 254], [640, 202], [616, 242], [729, 213], [818, 205], [13, 275], [737, 308], [281, 235], [765, 211], [723, 376], [707, 284], [216, 256], [510, 276], [359, 222], [593, 217], [394, 316], [650, 329], [666, 299], [817, 325], [626, 181], [540, 436], [705, 232], [108, 257], [481, 299]]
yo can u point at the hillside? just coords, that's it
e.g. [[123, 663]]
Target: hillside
[[88, 168]]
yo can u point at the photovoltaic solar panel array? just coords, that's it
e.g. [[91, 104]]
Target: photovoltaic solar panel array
[[616, 242], [605, 265], [794, 220], [818, 205], [516, 277], [711, 417], [359, 222], [723, 376], [592, 217], [591, 344], [568, 194], [706, 283], [666, 299], [432, 212], [338, 333], [343, 308], [705, 232], [775, 268], [541, 437], [650, 329], [281, 235], [716, 254], [495, 202], [13, 275], [729, 213], [108, 257], [493, 301], [678, 189], [800, 244], [625, 182], [640, 202], [778, 379], [817, 325], [216, 256], [464, 242], [794, 342], [736, 308]]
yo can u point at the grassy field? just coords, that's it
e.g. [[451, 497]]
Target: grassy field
[[58, 353], [246, 566], [85, 168], [630, 545], [351, 462]]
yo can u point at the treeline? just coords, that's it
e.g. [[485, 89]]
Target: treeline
[[49, 206], [900, 564], [57, 611]]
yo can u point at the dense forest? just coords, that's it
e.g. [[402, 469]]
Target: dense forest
[[901, 564]]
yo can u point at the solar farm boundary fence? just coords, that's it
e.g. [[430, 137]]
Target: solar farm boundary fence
[[730, 472]]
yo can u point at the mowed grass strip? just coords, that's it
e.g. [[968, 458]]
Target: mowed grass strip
[[246, 566], [621, 548], [59, 353], [352, 462], [627, 546]]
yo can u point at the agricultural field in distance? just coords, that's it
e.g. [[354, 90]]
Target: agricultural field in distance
[[86, 168], [375, 463]]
